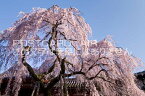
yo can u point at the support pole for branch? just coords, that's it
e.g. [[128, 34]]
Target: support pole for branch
[[61, 86], [65, 87]]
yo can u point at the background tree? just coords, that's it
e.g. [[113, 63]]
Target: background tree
[[35, 44]]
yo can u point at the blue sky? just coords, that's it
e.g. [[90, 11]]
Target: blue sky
[[123, 19]]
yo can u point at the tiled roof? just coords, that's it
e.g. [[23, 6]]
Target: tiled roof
[[72, 82]]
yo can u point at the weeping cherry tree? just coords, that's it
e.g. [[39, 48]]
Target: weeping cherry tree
[[52, 44]]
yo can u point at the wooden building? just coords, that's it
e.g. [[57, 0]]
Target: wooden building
[[74, 87]]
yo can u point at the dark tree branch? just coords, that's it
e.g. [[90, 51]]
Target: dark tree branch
[[84, 74], [62, 66], [30, 69]]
